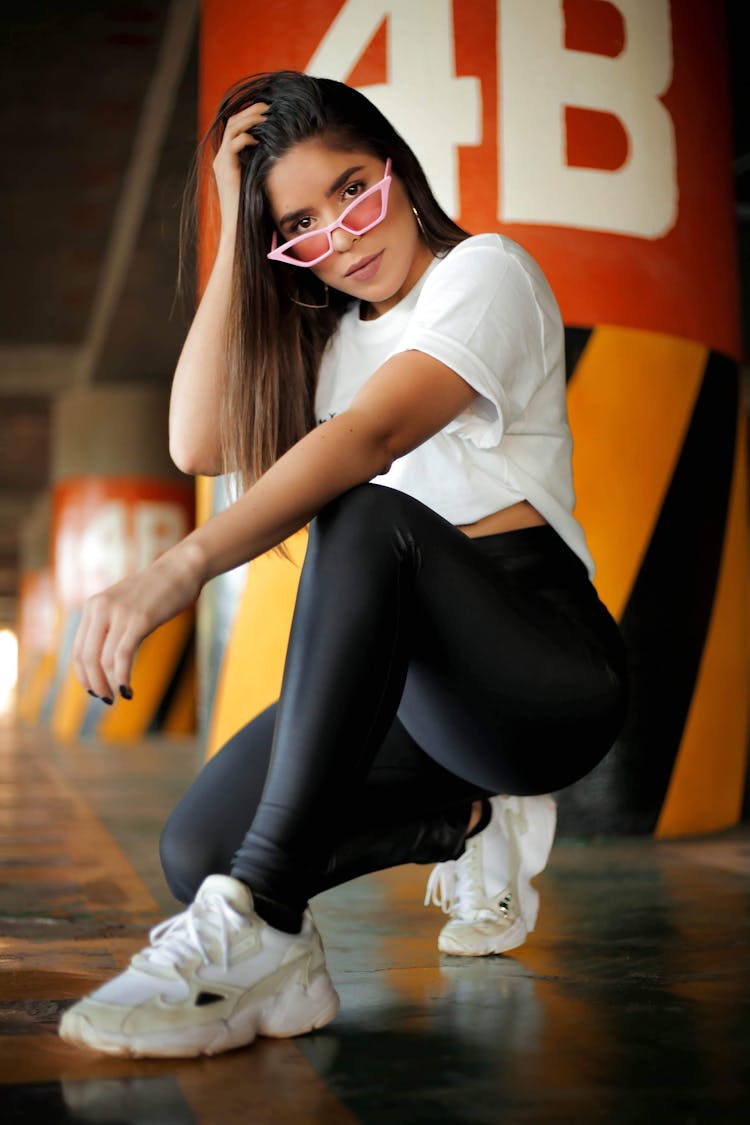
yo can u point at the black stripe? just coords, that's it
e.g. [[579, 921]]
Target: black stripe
[[576, 340], [666, 620], [175, 684]]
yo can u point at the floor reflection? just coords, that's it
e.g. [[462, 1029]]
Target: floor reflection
[[629, 1004]]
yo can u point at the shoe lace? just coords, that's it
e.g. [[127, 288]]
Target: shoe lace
[[205, 927], [457, 884], [441, 885]]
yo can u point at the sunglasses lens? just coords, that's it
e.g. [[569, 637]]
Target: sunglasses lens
[[365, 212], [309, 248]]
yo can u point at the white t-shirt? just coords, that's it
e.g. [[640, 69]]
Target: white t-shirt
[[486, 310]]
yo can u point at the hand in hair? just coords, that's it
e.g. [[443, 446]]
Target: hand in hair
[[226, 164]]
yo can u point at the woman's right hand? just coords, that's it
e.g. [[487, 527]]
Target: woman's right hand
[[226, 164]]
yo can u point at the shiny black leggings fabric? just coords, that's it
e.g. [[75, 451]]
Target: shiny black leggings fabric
[[425, 669]]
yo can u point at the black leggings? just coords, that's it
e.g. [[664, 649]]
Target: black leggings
[[425, 669]]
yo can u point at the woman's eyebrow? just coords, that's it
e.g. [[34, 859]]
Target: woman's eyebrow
[[341, 180], [291, 216]]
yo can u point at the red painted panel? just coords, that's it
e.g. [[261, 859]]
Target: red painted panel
[[683, 283], [104, 528]]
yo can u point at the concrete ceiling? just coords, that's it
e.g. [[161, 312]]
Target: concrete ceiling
[[98, 108]]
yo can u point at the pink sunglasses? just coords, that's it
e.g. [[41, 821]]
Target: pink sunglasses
[[364, 213]]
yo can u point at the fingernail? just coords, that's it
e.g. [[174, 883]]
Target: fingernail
[[92, 693], [126, 692], [106, 699]]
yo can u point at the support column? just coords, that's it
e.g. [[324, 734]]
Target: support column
[[118, 503], [37, 614], [615, 173]]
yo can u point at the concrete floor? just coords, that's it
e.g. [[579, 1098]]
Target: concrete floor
[[629, 1003]]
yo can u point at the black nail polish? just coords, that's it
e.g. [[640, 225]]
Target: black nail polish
[[92, 693], [106, 699], [126, 692]]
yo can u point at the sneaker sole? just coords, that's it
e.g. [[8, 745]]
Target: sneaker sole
[[293, 1011], [483, 945]]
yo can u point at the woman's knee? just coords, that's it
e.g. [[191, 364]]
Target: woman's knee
[[359, 503], [367, 514]]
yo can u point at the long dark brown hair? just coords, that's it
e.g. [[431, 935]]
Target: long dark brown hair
[[274, 346]]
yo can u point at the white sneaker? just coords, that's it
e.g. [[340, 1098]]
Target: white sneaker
[[487, 891], [213, 978]]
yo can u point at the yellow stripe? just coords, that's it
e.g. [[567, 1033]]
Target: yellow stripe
[[204, 490], [629, 404], [69, 709], [153, 668], [705, 790], [253, 664], [36, 686]]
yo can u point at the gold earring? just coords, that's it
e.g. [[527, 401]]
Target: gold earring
[[419, 222], [305, 305]]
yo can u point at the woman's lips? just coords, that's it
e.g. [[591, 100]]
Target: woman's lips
[[367, 270]]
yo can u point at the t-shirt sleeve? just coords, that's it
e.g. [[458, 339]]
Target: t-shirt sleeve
[[477, 314]]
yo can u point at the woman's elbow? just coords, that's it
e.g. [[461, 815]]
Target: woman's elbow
[[374, 454], [385, 461], [193, 462]]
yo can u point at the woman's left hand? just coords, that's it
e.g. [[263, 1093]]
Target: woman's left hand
[[115, 621]]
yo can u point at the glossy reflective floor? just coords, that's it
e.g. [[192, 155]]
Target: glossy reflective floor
[[629, 1004]]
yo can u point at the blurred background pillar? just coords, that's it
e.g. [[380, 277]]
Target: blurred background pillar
[[36, 622], [615, 172], [118, 503]]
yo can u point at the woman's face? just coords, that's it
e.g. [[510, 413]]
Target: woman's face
[[311, 185]]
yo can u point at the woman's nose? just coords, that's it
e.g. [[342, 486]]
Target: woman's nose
[[342, 240]]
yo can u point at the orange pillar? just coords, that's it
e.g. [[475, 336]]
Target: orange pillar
[[118, 503], [614, 171]]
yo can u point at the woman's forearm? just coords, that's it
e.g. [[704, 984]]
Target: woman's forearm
[[194, 402], [334, 457]]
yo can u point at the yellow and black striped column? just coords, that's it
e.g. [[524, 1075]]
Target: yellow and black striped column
[[663, 493]]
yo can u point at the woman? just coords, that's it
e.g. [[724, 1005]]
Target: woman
[[447, 641]]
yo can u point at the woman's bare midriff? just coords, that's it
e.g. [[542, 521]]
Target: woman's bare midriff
[[522, 514]]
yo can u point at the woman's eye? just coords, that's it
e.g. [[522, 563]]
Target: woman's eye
[[351, 191], [301, 225]]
